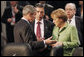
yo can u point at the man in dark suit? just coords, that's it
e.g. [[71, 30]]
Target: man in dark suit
[[70, 9], [79, 11], [11, 15], [46, 27], [23, 32], [48, 9]]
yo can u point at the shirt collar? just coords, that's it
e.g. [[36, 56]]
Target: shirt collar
[[72, 18], [66, 24], [41, 21], [25, 19]]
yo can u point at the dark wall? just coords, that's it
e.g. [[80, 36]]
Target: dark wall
[[61, 4], [56, 4]]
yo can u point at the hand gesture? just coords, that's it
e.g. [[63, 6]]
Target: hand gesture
[[49, 41], [57, 44], [9, 20], [40, 39]]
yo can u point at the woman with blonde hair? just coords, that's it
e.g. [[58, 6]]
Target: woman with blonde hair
[[65, 34]]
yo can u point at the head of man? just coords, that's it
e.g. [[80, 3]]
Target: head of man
[[29, 13], [81, 3], [59, 17], [13, 3], [39, 11], [42, 2], [70, 9]]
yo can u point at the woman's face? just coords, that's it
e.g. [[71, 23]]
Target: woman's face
[[57, 21]]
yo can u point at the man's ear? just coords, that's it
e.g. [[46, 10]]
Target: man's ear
[[75, 11]]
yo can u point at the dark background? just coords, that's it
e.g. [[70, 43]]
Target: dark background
[[56, 4]]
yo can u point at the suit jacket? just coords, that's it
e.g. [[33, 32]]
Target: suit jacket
[[23, 33], [68, 36], [8, 14], [48, 9], [9, 28], [78, 12], [48, 28], [79, 26]]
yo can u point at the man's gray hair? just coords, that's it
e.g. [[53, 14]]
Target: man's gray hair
[[28, 9], [73, 4]]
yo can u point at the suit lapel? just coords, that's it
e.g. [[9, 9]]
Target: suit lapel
[[10, 12], [33, 25], [76, 22], [45, 28]]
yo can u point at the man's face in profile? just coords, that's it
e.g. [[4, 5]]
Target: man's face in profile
[[32, 16]]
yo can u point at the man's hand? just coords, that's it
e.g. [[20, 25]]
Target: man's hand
[[40, 39], [9, 20], [49, 41]]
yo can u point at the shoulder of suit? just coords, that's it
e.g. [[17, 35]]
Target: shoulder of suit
[[48, 22], [22, 23], [48, 5], [20, 7], [78, 18], [71, 26]]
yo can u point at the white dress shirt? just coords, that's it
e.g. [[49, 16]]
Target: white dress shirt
[[72, 21], [41, 26], [42, 29]]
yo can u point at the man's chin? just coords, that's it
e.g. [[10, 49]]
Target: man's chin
[[68, 16], [40, 17]]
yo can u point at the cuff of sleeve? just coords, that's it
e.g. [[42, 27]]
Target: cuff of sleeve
[[45, 44]]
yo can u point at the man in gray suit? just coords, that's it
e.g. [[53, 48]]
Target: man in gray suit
[[23, 32]]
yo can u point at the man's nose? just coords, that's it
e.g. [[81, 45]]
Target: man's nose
[[39, 13], [67, 11]]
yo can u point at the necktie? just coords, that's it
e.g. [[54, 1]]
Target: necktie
[[69, 21], [38, 31], [13, 18]]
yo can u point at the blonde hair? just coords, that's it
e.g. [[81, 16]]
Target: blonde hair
[[28, 9], [59, 13]]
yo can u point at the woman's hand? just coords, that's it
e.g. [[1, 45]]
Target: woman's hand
[[57, 44]]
